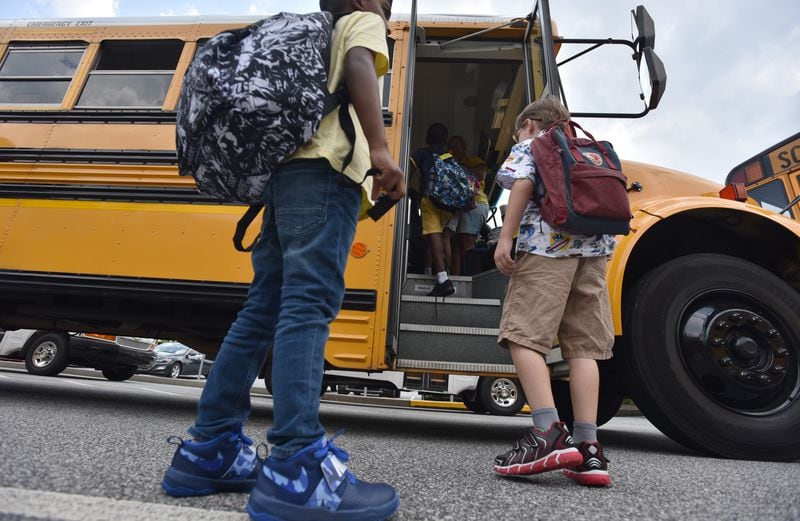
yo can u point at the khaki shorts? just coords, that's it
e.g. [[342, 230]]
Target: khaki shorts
[[562, 300], [434, 219]]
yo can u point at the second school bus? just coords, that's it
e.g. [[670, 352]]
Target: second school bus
[[99, 233]]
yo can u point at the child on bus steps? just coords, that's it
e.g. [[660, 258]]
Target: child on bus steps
[[309, 224], [557, 290]]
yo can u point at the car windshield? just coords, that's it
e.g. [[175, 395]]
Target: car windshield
[[171, 348]]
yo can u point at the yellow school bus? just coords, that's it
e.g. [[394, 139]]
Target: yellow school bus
[[99, 233], [772, 178]]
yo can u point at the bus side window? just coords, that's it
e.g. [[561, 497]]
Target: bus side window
[[131, 74], [771, 196], [36, 73], [387, 78]]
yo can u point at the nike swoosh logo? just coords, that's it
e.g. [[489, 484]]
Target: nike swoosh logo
[[204, 463], [293, 486]]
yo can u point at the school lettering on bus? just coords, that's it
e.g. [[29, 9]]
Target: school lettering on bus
[[786, 158]]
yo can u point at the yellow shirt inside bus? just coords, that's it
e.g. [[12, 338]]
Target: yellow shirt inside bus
[[359, 29], [472, 162]]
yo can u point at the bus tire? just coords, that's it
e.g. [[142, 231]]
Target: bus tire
[[47, 354], [500, 395], [608, 404], [710, 356]]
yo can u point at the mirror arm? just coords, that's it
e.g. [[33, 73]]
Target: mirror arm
[[794, 202], [623, 115]]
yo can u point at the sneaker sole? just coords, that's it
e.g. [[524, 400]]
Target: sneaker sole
[[262, 507], [181, 484], [590, 478], [556, 460]]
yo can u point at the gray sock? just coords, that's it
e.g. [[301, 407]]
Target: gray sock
[[584, 432], [545, 417]]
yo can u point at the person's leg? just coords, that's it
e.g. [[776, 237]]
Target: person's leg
[[316, 218], [306, 475], [584, 388], [221, 457], [466, 242], [449, 250], [587, 335], [225, 402], [436, 248], [532, 310], [534, 377]]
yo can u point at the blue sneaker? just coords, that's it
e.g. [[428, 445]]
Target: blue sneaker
[[315, 485], [227, 463]]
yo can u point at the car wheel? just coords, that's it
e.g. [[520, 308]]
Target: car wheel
[[501, 396], [174, 370], [47, 355], [118, 374], [712, 356]]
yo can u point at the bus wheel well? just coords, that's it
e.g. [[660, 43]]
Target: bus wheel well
[[716, 230]]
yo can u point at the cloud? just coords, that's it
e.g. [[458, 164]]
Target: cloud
[[71, 8]]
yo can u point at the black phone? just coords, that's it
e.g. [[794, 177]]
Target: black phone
[[382, 205]]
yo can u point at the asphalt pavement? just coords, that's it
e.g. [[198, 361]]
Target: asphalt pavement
[[83, 448]]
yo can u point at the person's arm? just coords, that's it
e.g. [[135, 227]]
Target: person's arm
[[521, 193], [359, 74]]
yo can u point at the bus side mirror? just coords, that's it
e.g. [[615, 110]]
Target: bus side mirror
[[645, 27], [657, 74]]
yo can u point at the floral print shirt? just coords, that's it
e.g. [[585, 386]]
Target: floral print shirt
[[535, 235]]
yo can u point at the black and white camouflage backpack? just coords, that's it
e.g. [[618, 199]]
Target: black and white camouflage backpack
[[250, 98]]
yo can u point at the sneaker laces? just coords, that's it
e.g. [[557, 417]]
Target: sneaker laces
[[339, 452]]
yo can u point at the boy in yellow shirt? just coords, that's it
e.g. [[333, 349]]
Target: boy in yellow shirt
[[309, 223]]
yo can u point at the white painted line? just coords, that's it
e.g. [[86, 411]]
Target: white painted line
[[79, 383], [39, 504]]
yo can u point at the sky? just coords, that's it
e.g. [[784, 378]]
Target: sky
[[733, 86]]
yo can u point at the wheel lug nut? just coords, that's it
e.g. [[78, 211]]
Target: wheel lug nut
[[717, 341], [755, 320], [722, 324], [781, 351], [736, 317], [778, 369], [772, 333], [726, 360]]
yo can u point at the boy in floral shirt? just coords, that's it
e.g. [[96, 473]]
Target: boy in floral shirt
[[558, 291]]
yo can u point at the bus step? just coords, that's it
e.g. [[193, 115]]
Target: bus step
[[450, 311], [476, 345]]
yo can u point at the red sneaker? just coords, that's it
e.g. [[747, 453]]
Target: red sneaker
[[593, 471], [540, 451]]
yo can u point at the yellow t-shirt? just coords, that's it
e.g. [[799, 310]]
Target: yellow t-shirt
[[359, 29], [480, 195]]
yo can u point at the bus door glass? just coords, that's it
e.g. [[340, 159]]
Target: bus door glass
[[772, 195]]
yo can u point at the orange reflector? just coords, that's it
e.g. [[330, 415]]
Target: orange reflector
[[358, 250], [104, 337], [734, 192]]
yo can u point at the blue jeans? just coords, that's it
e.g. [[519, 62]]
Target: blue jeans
[[298, 285]]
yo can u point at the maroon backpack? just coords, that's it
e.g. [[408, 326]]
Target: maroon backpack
[[579, 185]]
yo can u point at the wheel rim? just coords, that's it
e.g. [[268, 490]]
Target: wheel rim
[[739, 353], [504, 392], [175, 371], [44, 354]]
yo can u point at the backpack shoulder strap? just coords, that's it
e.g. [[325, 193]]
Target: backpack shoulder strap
[[242, 225]]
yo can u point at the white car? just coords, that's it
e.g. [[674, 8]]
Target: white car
[[48, 353]]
